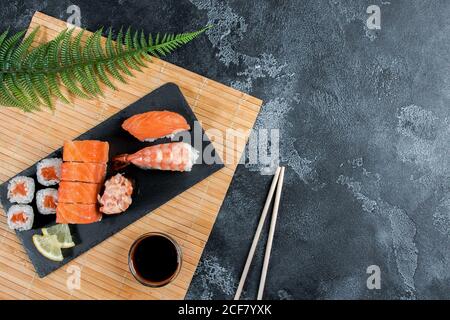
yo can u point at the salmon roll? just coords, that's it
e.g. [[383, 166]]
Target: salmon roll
[[46, 200], [78, 192], [86, 151], [77, 213], [48, 171], [153, 125], [20, 217], [59, 218], [21, 189], [83, 172]]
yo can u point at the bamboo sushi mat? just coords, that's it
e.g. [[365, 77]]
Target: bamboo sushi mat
[[189, 217]]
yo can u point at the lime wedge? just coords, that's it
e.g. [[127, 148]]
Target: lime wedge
[[48, 246], [62, 233]]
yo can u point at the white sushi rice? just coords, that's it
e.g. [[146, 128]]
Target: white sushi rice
[[29, 188], [27, 211], [50, 162], [40, 198], [170, 136], [194, 156]]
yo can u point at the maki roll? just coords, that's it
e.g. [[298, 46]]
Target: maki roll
[[86, 151], [48, 171], [46, 200], [21, 189], [20, 217], [83, 172]]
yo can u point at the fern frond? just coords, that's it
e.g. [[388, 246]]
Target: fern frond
[[31, 77]]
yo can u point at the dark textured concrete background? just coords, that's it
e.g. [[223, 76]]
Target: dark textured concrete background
[[365, 127]]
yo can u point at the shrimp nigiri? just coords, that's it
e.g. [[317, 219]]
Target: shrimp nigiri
[[174, 156], [153, 125]]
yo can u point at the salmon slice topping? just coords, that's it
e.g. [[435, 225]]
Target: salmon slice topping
[[76, 213], [83, 172], [59, 216], [78, 192], [86, 151], [155, 124]]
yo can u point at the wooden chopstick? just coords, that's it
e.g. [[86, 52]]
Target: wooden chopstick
[[257, 234], [273, 223]]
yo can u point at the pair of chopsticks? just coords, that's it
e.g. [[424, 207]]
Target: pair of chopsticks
[[278, 183]]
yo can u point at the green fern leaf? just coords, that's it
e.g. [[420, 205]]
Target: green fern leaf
[[30, 77]]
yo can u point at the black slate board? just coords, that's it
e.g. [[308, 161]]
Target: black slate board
[[153, 188]]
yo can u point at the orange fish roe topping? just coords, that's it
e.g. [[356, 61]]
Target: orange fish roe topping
[[20, 188], [19, 217], [49, 173], [49, 202]]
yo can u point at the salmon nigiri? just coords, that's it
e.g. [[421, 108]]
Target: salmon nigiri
[[153, 125], [174, 156]]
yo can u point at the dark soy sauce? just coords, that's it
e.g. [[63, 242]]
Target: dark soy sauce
[[155, 260]]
